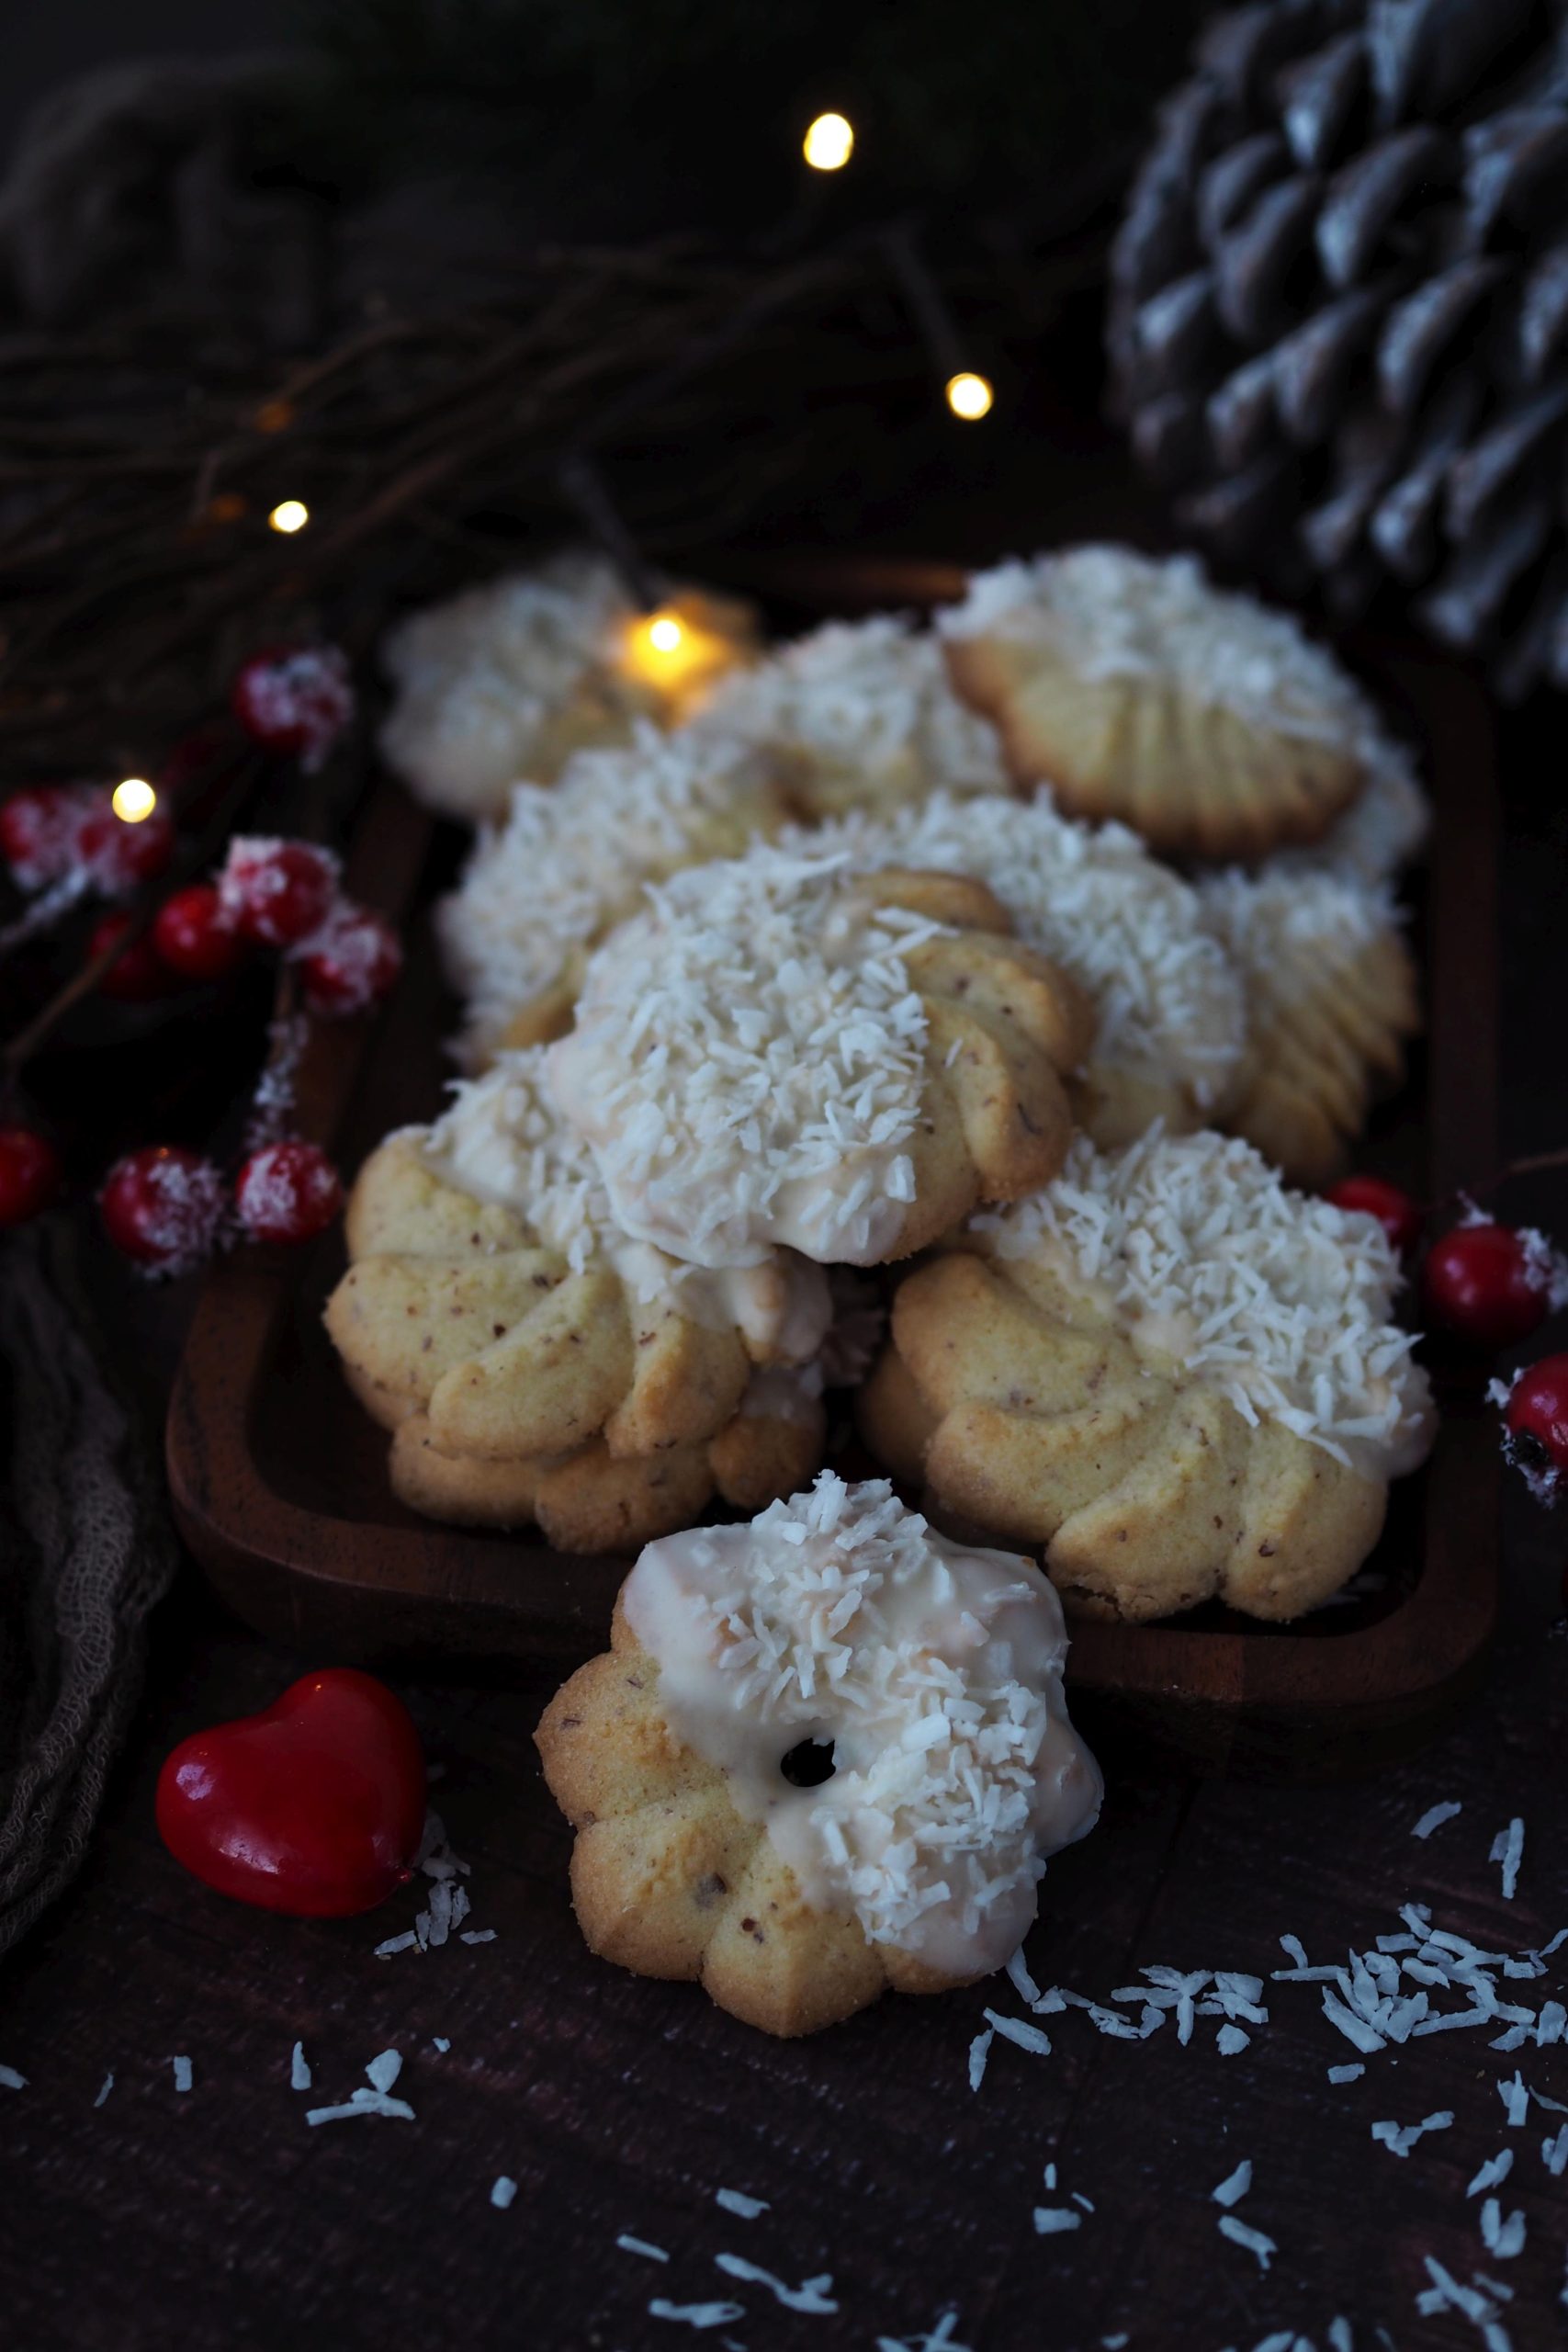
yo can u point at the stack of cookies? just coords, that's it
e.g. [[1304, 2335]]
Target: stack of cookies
[[945, 1017]]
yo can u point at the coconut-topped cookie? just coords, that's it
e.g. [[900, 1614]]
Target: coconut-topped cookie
[[1332, 997], [506, 680], [1179, 1378], [859, 715], [1212, 726], [1170, 1021], [785, 1050], [534, 1361], [827, 1752], [570, 860]]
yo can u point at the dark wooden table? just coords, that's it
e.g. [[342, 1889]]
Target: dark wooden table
[[217, 2218]]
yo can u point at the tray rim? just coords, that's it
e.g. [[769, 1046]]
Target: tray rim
[[469, 1592]]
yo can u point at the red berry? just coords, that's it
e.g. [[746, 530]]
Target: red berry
[[287, 1192], [135, 977], [1493, 1283], [1534, 1420], [40, 830], [1400, 1217], [276, 892], [118, 855], [30, 1174], [295, 700], [162, 1206], [351, 962], [195, 937]]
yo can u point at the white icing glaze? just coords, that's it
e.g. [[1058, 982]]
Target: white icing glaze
[[934, 1669], [747, 1064]]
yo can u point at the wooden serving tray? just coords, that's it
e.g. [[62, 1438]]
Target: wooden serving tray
[[279, 1481]]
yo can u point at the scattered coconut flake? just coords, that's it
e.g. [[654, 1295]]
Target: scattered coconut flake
[[979, 2051], [396, 1943], [811, 2295], [1051, 2220], [1516, 2099], [1253, 2241], [1474, 2303], [107, 2087], [11, 2081], [383, 2071], [1230, 2041], [1554, 2153], [1509, 1848], [1399, 2140], [1434, 1818], [641, 2246], [1015, 2029], [1503, 2239], [1080, 2199], [477, 1935], [439, 2042], [1345, 2073], [941, 2338], [696, 2314], [362, 2102], [503, 2190], [1235, 2186], [1492, 2173], [735, 2200], [182, 2073], [1023, 1983]]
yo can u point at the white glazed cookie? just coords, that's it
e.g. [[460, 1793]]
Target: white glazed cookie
[[785, 1051], [932, 1672], [1332, 997], [1212, 726], [534, 1363], [570, 861], [859, 715], [1177, 1378], [506, 680], [1170, 1031]]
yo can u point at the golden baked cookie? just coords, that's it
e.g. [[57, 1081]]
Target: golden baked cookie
[[826, 1753], [1332, 997], [534, 1365], [507, 681], [1212, 727], [783, 1050], [1177, 1378]]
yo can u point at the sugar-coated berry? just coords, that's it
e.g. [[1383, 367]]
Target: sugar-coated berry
[[1535, 1422], [195, 937], [162, 1206], [1493, 1283], [351, 962], [1400, 1217], [118, 855], [137, 976], [295, 700], [287, 1192], [30, 1174], [276, 892], [40, 831]]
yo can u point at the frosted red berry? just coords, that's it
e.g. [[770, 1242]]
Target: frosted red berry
[[1535, 1426], [295, 700], [118, 855], [1493, 1283], [136, 976], [30, 1174], [40, 830], [287, 1192], [195, 937], [276, 892], [162, 1206], [1400, 1217], [351, 962]]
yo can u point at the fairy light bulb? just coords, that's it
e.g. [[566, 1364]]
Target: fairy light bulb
[[664, 633], [969, 396], [290, 516], [133, 800], [829, 143]]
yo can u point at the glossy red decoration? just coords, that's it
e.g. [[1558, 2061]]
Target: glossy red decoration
[[1536, 1420], [30, 1174], [287, 1192], [1400, 1217], [295, 700], [194, 936], [162, 1207], [1492, 1283], [314, 1807], [276, 892], [351, 962], [116, 855]]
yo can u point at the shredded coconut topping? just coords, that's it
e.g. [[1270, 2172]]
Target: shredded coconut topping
[[748, 1063], [571, 859], [1111, 612], [1284, 927], [863, 715], [935, 1671], [1093, 899], [1279, 1301]]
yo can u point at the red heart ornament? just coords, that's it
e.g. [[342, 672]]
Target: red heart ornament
[[315, 1806]]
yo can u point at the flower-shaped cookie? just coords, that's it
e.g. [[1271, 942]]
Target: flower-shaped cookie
[[826, 1753], [534, 1365], [1212, 726], [786, 1050], [1177, 1378]]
